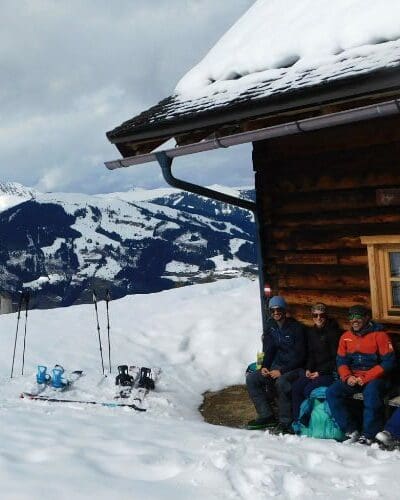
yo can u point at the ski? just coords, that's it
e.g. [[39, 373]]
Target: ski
[[49, 399]]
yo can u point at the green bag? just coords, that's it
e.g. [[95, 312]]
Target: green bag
[[321, 424]]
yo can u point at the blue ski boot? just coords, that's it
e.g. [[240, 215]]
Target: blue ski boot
[[57, 380]]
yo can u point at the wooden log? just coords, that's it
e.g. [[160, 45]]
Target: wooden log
[[328, 180], [319, 217], [357, 258], [343, 299], [328, 238], [381, 131], [353, 260], [380, 156], [331, 280], [288, 243], [356, 198], [307, 258]]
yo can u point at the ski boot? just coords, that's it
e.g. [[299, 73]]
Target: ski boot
[[57, 380], [123, 379]]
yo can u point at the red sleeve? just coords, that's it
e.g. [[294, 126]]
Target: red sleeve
[[343, 368]]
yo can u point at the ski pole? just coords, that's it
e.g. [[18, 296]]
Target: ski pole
[[108, 298], [26, 323], [98, 329], [21, 298]]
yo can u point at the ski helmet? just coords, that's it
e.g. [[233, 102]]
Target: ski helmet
[[277, 301]]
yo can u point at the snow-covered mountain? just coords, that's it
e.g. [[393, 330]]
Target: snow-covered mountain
[[61, 245], [13, 193]]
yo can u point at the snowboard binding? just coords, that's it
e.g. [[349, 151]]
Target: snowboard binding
[[57, 380], [146, 379], [123, 378], [125, 381], [42, 377]]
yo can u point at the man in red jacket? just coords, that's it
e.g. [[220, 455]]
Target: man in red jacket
[[365, 356]]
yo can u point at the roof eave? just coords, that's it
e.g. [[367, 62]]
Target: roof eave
[[382, 81]]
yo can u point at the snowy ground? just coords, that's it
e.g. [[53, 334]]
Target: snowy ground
[[202, 337]]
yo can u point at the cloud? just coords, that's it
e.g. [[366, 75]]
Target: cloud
[[72, 70]]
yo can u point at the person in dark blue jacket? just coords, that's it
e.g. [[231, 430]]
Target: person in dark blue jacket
[[284, 355]]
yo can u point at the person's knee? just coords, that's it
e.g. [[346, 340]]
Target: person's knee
[[373, 395], [282, 385], [254, 379], [298, 385], [334, 391]]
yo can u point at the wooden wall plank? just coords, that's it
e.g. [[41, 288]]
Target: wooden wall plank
[[343, 299], [349, 137]]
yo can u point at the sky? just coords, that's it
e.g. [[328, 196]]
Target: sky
[[72, 70]]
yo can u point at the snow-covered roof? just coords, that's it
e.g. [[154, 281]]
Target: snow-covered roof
[[283, 48]]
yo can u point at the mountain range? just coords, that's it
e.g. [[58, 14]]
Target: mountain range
[[61, 246]]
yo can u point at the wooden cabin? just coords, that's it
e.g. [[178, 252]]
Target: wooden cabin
[[326, 149]]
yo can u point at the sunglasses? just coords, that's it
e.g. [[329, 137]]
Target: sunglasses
[[278, 310], [319, 315], [355, 316]]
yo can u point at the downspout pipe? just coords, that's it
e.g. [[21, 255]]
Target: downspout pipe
[[165, 163]]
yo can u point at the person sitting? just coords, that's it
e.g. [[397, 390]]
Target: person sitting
[[284, 353], [322, 344], [365, 357]]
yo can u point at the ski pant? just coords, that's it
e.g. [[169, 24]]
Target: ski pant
[[302, 388], [373, 415], [393, 424], [262, 391]]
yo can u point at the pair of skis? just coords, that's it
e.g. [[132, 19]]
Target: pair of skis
[[108, 298], [50, 399]]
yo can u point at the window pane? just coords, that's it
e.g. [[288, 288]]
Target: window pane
[[394, 258], [396, 293]]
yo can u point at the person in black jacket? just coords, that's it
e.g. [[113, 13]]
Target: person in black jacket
[[284, 353], [322, 343]]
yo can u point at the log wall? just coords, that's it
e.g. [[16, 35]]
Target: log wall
[[317, 195]]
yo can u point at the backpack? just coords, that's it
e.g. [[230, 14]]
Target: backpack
[[315, 419]]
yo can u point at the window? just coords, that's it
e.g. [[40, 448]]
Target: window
[[384, 273]]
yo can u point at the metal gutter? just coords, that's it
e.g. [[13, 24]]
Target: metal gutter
[[370, 112]]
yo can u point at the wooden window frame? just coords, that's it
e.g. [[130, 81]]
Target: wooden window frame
[[378, 248]]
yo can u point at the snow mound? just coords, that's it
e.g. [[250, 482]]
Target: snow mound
[[202, 337], [277, 35]]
